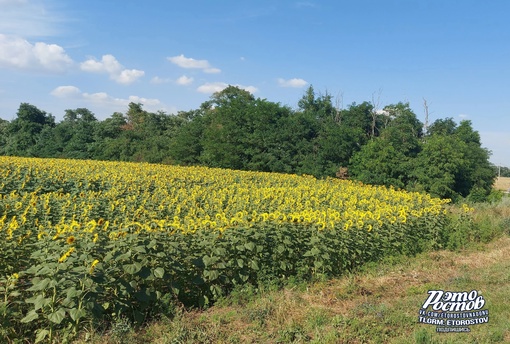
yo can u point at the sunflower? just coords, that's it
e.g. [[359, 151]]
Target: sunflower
[[93, 266], [66, 255], [70, 240]]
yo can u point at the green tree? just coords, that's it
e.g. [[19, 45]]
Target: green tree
[[186, 144], [23, 132], [240, 131], [305, 131], [478, 176], [48, 144], [137, 135], [3, 135], [327, 137], [108, 144], [380, 163], [404, 130], [358, 117], [264, 147], [76, 133], [444, 126], [502, 171], [439, 165], [388, 159], [155, 135], [453, 164], [227, 124]]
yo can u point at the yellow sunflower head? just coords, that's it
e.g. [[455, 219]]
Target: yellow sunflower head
[[70, 240]]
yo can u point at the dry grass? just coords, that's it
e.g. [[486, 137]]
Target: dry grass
[[502, 183]]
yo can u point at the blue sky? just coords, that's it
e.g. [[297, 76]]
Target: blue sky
[[171, 55]]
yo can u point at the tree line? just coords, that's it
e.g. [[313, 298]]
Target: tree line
[[236, 130]]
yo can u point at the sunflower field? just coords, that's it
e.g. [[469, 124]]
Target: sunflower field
[[91, 242]]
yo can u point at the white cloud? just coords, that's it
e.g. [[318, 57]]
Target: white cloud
[[158, 80], [212, 70], [144, 101], [382, 112], [463, 116], [251, 89], [103, 99], [18, 53], [212, 87], [128, 76], [108, 64], [184, 80], [112, 67], [191, 63], [295, 82], [185, 62], [65, 91]]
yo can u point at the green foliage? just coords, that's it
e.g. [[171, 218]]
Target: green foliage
[[379, 163], [242, 132], [24, 130], [443, 127], [186, 146], [449, 162], [439, 165], [236, 130], [386, 160], [139, 277], [3, 135]]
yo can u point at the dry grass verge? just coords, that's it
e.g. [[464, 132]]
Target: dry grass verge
[[502, 183]]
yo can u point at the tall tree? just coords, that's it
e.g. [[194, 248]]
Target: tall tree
[[404, 130], [108, 143], [243, 132], [453, 164], [24, 130], [478, 176], [438, 166], [186, 144], [359, 117], [3, 135], [387, 159], [228, 122], [306, 123], [81, 122], [446, 126]]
